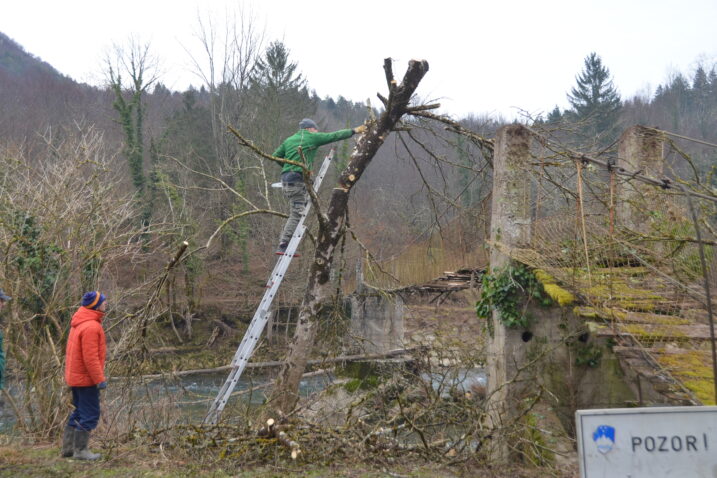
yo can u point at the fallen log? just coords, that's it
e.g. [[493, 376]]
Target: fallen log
[[272, 430], [290, 444], [276, 363]]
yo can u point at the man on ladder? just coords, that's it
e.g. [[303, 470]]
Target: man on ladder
[[301, 147]]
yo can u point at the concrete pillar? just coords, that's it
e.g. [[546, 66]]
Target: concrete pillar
[[640, 149], [510, 226], [376, 322]]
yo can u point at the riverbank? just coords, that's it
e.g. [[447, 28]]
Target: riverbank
[[422, 418]]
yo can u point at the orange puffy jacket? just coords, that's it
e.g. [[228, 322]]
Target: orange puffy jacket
[[86, 349]]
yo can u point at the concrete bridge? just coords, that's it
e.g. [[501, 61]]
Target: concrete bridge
[[616, 244]]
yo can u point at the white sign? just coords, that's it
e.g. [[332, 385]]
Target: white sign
[[675, 442]]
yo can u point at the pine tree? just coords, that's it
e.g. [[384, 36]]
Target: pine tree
[[713, 86], [554, 116], [673, 100], [595, 100], [700, 81], [280, 96], [700, 99], [275, 71]]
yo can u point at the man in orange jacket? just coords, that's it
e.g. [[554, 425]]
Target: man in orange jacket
[[84, 373]]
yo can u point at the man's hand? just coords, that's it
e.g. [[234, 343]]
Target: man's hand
[[360, 129], [102, 385]]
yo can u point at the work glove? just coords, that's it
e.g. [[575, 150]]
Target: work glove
[[102, 385], [360, 129]]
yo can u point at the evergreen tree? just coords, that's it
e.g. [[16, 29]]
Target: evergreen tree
[[672, 99], [595, 101], [275, 71], [554, 116], [700, 82], [700, 100], [712, 86], [280, 94]]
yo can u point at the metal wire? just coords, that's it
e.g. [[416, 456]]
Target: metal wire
[[708, 296]]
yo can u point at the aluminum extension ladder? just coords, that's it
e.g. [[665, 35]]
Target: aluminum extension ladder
[[261, 316]]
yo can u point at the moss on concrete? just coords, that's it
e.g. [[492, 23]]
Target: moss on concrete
[[551, 287], [655, 332], [702, 388], [620, 290], [620, 271], [694, 369], [691, 363], [588, 312]]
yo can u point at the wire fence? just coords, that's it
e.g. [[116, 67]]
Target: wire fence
[[632, 233]]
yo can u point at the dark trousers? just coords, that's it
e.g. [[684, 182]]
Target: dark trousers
[[87, 408]]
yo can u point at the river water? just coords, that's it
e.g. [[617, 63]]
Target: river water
[[191, 396]]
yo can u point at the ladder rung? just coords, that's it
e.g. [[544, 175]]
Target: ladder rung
[[258, 322]]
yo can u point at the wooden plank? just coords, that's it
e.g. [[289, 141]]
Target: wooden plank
[[379, 357], [656, 332], [622, 316], [663, 351]]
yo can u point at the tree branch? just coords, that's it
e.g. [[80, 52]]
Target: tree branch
[[245, 142]]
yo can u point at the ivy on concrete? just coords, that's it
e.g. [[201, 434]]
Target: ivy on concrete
[[508, 290], [588, 355]]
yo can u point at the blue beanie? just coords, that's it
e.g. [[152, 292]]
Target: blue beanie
[[92, 300], [307, 123]]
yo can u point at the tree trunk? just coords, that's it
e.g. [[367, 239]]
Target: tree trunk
[[331, 227]]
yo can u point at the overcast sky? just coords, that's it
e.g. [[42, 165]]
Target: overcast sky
[[485, 57]]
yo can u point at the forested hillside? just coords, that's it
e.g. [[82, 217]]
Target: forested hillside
[[169, 158], [184, 176]]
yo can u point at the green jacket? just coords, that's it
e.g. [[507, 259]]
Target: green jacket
[[309, 143], [2, 363]]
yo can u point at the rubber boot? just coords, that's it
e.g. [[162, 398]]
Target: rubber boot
[[82, 438], [68, 441]]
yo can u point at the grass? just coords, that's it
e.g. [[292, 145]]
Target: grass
[[43, 461], [20, 459]]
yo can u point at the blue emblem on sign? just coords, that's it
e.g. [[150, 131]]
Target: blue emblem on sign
[[604, 438]]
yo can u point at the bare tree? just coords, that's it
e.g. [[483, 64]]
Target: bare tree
[[64, 223], [230, 52], [332, 227]]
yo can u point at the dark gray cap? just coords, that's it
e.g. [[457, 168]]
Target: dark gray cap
[[307, 123], [3, 296]]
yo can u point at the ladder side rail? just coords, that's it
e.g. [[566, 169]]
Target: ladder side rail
[[258, 323], [222, 397], [251, 337]]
